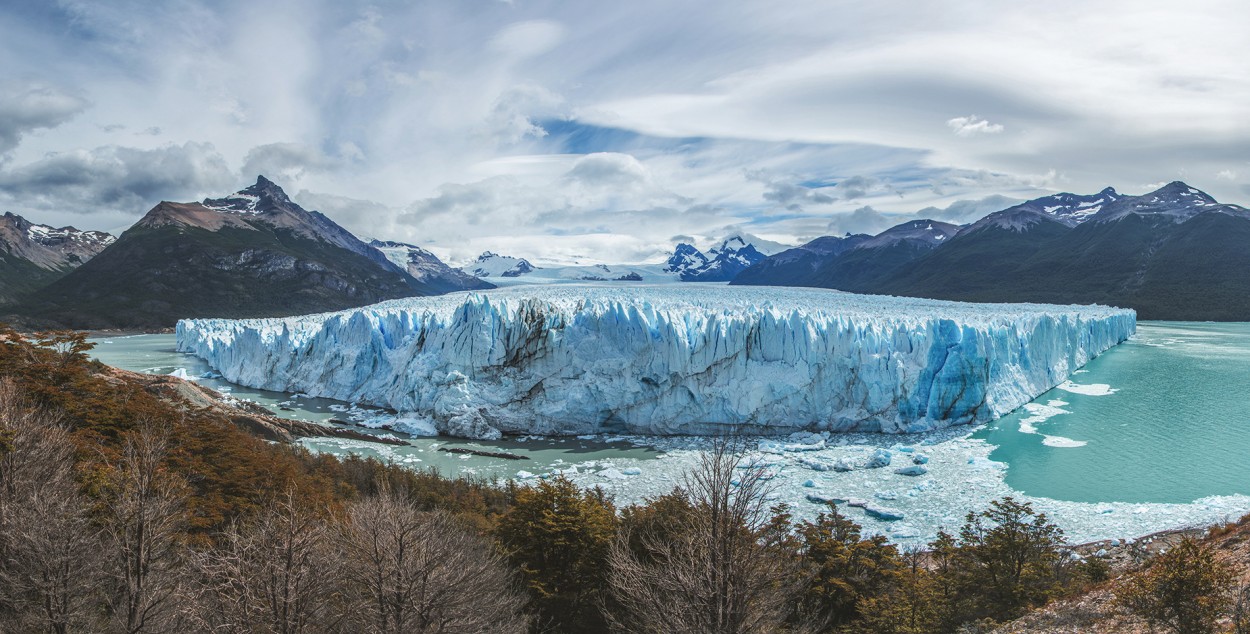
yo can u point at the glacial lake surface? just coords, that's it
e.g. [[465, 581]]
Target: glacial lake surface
[[1171, 425], [1153, 434]]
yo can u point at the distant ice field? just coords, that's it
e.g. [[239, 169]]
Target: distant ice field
[[664, 360]]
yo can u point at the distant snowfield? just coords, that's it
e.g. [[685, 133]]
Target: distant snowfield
[[646, 359], [609, 274]]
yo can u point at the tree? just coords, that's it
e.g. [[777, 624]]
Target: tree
[[724, 564], [273, 574], [1008, 559], [144, 519], [845, 568], [1185, 590], [422, 572], [49, 563], [912, 606], [559, 537]]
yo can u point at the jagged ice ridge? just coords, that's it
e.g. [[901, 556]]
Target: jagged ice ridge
[[664, 360]]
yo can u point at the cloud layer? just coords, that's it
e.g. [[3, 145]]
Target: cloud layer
[[601, 132]]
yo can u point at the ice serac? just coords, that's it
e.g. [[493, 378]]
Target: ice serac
[[573, 360]]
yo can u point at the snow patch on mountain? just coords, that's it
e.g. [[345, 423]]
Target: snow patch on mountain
[[922, 232]]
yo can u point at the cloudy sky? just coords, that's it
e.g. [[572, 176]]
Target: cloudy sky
[[605, 131]]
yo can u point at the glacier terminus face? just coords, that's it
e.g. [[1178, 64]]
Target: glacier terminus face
[[692, 359]]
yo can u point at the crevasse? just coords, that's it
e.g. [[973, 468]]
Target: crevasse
[[689, 359]]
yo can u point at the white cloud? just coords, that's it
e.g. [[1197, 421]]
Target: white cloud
[[112, 183], [558, 126], [972, 125], [29, 106], [528, 38]]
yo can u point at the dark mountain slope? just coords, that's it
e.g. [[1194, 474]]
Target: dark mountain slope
[[856, 264], [253, 254], [797, 266], [1172, 254]]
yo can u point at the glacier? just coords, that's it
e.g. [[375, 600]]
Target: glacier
[[695, 359]]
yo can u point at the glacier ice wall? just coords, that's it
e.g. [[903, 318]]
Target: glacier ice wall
[[668, 360]]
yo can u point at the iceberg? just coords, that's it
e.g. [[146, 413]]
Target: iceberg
[[573, 360]]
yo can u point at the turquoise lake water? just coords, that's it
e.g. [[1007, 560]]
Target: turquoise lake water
[[1175, 426]]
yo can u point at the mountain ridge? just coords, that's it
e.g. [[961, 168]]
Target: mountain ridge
[[1173, 253], [34, 255], [254, 253]]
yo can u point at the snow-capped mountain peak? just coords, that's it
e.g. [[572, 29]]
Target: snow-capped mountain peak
[[731, 257], [494, 265], [1065, 208], [685, 258], [258, 198], [1175, 201], [50, 247]]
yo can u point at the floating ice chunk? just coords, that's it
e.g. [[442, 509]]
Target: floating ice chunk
[[798, 441], [612, 474], [1060, 441], [809, 483], [842, 465], [878, 512], [884, 514], [817, 464], [576, 360], [820, 498], [920, 459], [913, 470], [1092, 389], [880, 458], [885, 495], [181, 373], [411, 425], [1039, 414], [524, 475], [631, 471]]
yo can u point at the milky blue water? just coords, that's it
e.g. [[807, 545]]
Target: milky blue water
[[1172, 426]]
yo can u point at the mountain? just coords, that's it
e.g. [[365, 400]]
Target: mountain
[[494, 265], [855, 263], [797, 266], [33, 256], [720, 264], [254, 253], [1175, 254], [426, 268], [1066, 209]]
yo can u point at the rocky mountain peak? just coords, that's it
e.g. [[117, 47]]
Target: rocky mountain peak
[[261, 197]]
